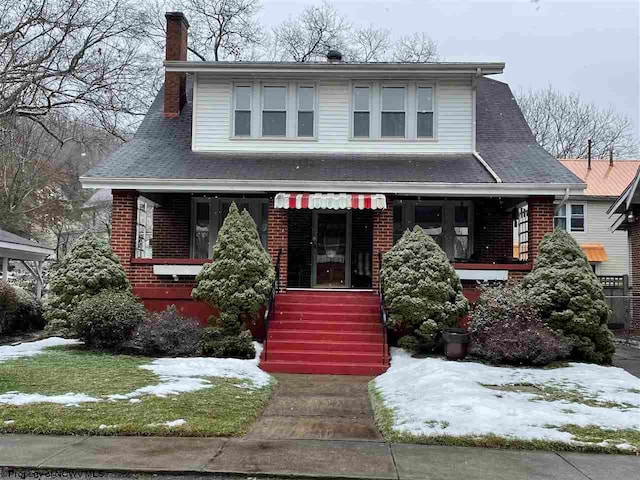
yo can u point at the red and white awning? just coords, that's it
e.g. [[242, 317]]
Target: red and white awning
[[332, 201]]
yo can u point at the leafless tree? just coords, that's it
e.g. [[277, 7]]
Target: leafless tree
[[563, 124], [369, 44], [75, 55], [415, 48]]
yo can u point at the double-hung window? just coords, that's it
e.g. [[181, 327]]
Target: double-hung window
[[274, 111], [361, 112], [242, 111], [392, 118], [424, 103], [570, 217], [306, 107]]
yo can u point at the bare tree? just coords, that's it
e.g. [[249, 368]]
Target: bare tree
[[369, 44], [80, 55], [563, 124], [415, 48]]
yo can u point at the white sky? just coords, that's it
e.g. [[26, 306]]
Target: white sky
[[588, 47]]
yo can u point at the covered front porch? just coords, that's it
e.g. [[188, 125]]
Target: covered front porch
[[323, 240]]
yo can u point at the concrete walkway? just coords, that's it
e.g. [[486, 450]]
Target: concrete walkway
[[318, 407], [628, 358], [304, 459]]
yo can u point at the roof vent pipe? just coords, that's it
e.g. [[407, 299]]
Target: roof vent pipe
[[589, 154], [334, 56], [611, 157]]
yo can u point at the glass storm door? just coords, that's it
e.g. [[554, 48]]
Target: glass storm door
[[331, 252]]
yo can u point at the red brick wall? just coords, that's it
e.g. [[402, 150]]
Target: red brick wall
[[493, 232], [540, 222], [278, 239], [382, 237], [123, 225], [634, 241], [172, 226], [175, 83]]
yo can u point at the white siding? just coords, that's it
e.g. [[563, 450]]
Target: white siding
[[597, 231], [212, 123]]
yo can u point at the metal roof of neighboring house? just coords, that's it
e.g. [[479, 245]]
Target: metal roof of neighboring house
[[604, 180], [161, 149]]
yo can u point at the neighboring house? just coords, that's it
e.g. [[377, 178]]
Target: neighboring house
[[334, 161], [24, 250], [586, 217], [97, 212]]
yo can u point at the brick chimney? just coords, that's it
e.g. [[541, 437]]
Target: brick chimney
[[175, 94]]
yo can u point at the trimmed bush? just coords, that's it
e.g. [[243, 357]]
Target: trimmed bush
[[237, 283], [570, 298], [107, 319], [8, 307], [167, 334], [422, 290], [506, 327], [19, 310], [91, 267]]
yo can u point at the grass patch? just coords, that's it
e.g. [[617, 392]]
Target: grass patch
[[384, 417], [550, 393], [225, 409], [595, 434]]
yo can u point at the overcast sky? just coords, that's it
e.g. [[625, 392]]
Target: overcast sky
[[589, 47]]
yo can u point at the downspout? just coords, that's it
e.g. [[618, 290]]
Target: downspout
[[488, 168], [562, 202]]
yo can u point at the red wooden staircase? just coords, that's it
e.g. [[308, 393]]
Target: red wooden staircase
[[336, 333]]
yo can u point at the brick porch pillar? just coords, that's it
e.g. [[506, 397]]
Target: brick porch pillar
[[278, 239], [540, 222], [123, 226], [634, 241], [382, 238]]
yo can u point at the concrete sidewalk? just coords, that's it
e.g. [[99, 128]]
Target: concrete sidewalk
[[305, 459]]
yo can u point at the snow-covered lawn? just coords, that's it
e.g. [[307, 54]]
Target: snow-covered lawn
[[433, 397], [122, 393]]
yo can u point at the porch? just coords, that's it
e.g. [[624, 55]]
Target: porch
[[164, 239]]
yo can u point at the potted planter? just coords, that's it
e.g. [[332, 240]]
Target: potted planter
[[456, 343]]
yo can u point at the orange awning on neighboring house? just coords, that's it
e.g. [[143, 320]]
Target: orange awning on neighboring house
[[595, 252]]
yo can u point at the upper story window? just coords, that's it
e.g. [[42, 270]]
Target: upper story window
[[242, 111], [424, 103], [361, 112], [306, 108], [274, 111], [570, 217], [392, 115]]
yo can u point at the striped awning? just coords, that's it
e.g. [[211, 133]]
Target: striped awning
[[332, 201]]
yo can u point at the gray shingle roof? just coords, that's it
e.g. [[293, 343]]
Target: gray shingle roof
[[161, 149], [13, 238]]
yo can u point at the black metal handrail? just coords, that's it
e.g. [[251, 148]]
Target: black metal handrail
[[271, 305], [383, 311]]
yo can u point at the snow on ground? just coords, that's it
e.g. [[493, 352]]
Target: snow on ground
[[9, 352], [173, 423], [177, 375], [432, 396]]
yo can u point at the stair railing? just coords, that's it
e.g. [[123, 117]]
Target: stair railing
[[383, 311], [271, 304]]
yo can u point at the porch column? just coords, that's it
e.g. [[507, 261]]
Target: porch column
[[5, 269], [278, 239], [540, 222], [634, 242], [382, 238], [123, 226]]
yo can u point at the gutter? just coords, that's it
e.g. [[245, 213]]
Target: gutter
[[487, 167], [400, 188]]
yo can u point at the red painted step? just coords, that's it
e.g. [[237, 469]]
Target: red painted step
[[326, 332]]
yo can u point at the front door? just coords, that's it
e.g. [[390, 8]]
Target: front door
[[331, 249]]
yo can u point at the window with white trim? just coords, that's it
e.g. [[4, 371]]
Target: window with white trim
[[242, 111], [306, 111], [144, 228], [570, 217], [392, 114], [208, 214], [424, 104], [361, 112], [274, 111]]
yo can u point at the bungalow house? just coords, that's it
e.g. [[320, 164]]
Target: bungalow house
[[333, 160]]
